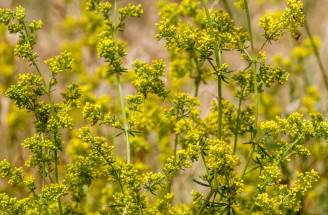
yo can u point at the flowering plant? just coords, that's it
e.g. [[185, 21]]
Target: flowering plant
[[244, 156]]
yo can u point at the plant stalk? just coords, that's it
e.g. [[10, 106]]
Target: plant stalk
[[237, 122], [317, 55], [168, 188], [247, 161], [43, 175], [251, 210], [119, 86], [205, 202], [217, 53], [253, 66], [227, 7], [255, 86], [52, 106], [198, 77]]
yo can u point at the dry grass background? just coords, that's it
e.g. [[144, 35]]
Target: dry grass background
[[140, 37]]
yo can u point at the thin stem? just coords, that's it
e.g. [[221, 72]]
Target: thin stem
[[237, 121], [110, 164], [119, 86], [176, 141], [317, 55], [168, 188], [262, 47], [252, 208], [52, 106], [254, 168], [227, 7], [57, 180], [43, 175], [205, 164], [255, 86], [247, 161], [44, 164], [217, 53], [219, 108], [198, 77], [254, 66], [292, 145], [205, 202]]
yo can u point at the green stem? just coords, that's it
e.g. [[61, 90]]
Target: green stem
[[291, 146], [253, 65], [252, 208], [262, 47], [168, 188], [317, 55], [219, 108], [217, 53], [247, 161], [43, 175], [205, 164], [176, 141], [254, 168], [55, 135], [227, 7], [198, 77], [57, 181], [255, 86], [205, 202], [119, 86], [283, 155], [237, 121], [52, 106]]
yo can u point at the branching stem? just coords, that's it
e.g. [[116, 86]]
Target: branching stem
[[52, 106]]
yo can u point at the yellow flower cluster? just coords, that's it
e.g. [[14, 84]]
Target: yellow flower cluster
[[268, 205], [290, 20], [221, 158]]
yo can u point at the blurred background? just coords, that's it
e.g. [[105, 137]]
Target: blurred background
[[67, 27]]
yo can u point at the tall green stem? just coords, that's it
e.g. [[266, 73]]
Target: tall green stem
[[237, 122], [253, 65], [217, 54], [119, 86], [198, 76], [208, 197], [252, 208], [247, 161], [255, 84], [43, 174], [168, 188], [52, 106], [317, 55]]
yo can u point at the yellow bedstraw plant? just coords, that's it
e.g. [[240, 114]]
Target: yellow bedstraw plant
[[246, 155]]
